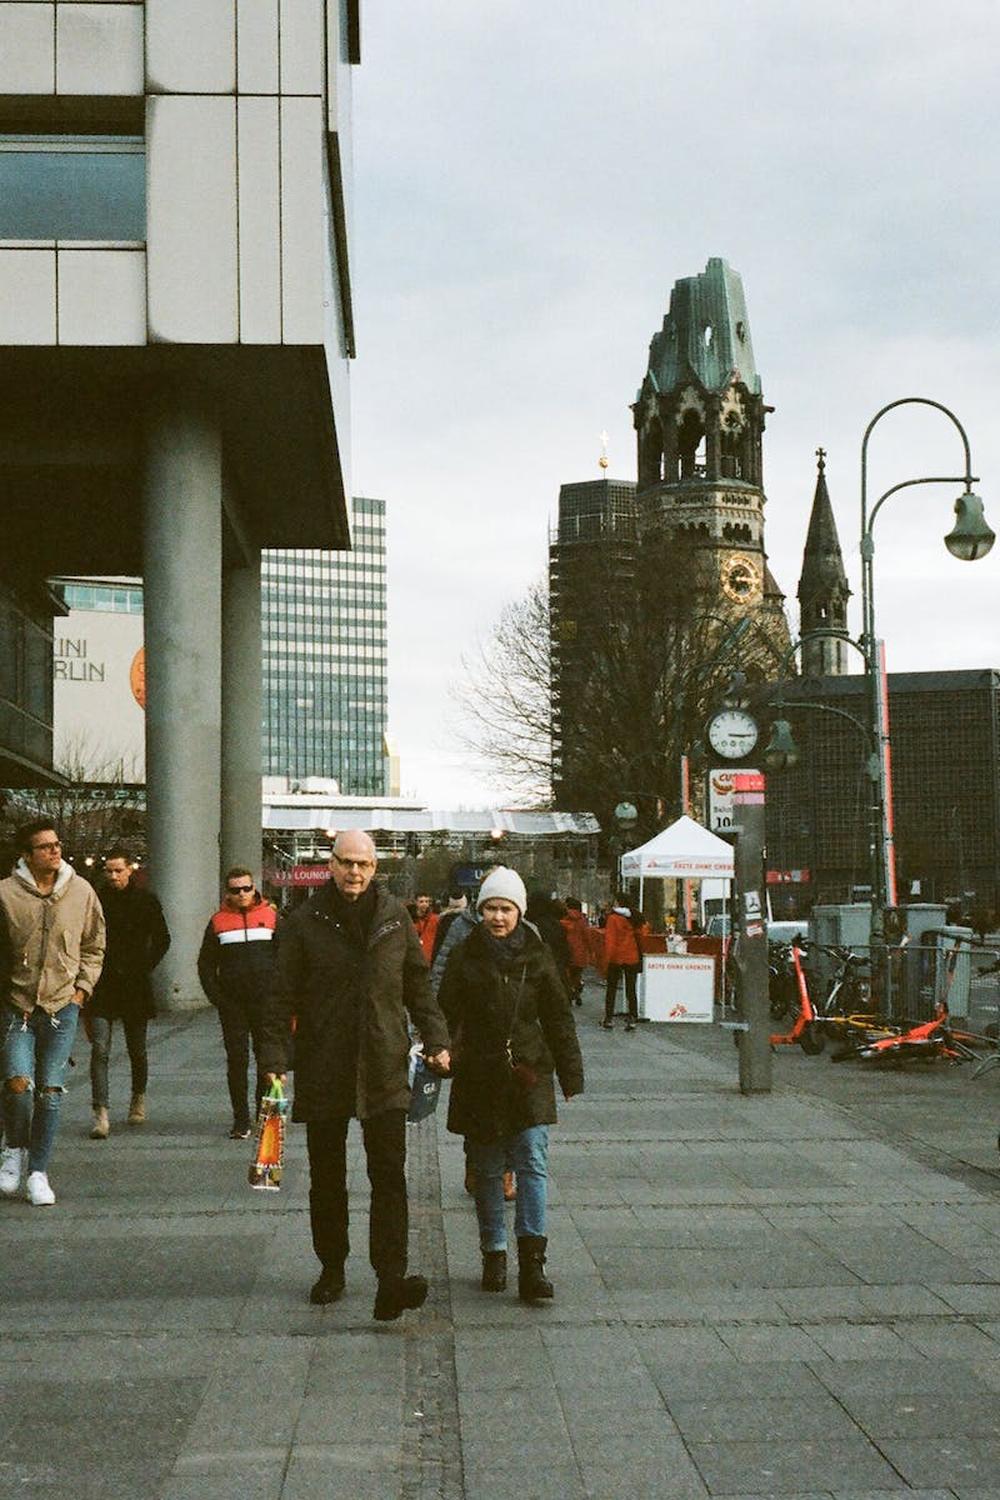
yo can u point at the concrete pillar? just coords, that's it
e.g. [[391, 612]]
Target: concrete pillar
[[242, 701], [182, 568]]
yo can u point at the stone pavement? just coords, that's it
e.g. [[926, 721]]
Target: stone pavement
[[793, 1295]]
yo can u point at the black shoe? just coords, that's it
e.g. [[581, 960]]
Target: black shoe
[[607, 1025], [629, 1025], [240, 1133], [396, 1295], [329, 1287], [494, 1271], [532, 1283], [578, 999]]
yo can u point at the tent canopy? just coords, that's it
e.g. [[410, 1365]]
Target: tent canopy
[[684, 851]]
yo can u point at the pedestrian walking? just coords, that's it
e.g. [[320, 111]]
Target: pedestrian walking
[[52, 931], [623, 956], [235, 966], [351, 969], [576, 928], [425, 920], [509, 1014], [137, 938]]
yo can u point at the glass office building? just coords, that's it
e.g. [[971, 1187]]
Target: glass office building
[[325, 659]]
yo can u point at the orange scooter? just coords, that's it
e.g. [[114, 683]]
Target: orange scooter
[[807, 1028]]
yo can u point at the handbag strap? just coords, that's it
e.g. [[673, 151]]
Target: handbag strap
[[513, 1016]]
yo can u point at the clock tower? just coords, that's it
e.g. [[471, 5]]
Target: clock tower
[[699, 417]]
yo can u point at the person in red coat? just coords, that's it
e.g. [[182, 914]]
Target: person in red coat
[[575, 926], [425, 920], [623, 955]]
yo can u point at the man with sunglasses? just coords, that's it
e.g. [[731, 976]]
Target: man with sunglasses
[[235, 967], [351, 971], [52, 937]]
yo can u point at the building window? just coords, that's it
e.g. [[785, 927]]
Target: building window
[[72, 187]]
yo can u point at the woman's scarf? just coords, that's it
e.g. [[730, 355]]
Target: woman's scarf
[[505, 951]]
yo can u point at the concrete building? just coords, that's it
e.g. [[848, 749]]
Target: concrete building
[[176, 325], [945, 729], [325, 660], [27, 614]]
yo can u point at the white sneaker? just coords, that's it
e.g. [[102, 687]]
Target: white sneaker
[[12, 1159], [38, 1190]]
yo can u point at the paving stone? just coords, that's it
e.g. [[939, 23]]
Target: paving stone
[[759, 1419], [944, 1461], [850, 1461]]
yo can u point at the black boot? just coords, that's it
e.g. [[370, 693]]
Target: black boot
[[396, 1294], [494, 1271], [329, 1287], [532, 1283]]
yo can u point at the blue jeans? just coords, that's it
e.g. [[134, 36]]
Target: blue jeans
[[36, 1046], [528, 1155]]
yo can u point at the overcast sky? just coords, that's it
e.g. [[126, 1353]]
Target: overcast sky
[[530, 181]]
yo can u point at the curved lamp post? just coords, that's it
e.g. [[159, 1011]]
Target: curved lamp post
[[969, 539]]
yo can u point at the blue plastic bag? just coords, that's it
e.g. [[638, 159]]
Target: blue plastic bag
[[425, 1087]]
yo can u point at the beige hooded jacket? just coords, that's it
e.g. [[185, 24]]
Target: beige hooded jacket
[[56, 941]]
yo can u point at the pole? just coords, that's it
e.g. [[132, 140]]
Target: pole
[[749, 925]]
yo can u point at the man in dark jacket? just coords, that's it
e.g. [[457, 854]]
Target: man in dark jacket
[[350, 969], [137, 939], [235, 967]]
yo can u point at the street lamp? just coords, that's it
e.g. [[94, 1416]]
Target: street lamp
[[970, 539]]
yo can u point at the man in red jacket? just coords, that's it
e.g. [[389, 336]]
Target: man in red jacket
[[235, 966], [575, 926], [425, 920]]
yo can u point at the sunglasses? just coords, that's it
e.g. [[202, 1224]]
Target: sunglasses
[[238, 890]]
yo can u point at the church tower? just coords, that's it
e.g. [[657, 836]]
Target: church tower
[[699, 416], [823, 591]]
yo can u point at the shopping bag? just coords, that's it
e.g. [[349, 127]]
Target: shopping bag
[[265, 1169], [425, 1087]]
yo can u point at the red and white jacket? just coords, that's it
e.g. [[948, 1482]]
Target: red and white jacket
[[237, 953]]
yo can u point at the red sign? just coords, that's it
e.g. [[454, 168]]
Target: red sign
[[748, 781], [300, 875], [788, 877]]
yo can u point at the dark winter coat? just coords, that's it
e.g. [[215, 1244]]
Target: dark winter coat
[[350, 994], [483, 1005], [236, 958], [137, 938]]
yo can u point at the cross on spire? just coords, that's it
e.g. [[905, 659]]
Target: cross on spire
[[821, 460]]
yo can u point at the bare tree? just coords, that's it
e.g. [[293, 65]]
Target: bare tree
[[646, 660], [96, 808], [504, 696]]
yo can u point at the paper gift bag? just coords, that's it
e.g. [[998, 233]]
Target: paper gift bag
[[265, 1169]]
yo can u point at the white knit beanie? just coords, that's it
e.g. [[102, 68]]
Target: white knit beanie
[[502, 884]]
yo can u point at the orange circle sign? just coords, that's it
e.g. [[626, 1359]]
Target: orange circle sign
[[137, 677]]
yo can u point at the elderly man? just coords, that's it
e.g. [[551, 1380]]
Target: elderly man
[[350, 968]]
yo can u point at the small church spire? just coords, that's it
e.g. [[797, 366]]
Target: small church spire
[[823, 589]]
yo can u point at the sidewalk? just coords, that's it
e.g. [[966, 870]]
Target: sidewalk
[[793, 1295]]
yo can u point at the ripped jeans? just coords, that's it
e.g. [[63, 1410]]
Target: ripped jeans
[[36, 1046]]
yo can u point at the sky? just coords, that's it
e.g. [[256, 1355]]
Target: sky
[[529, 182]]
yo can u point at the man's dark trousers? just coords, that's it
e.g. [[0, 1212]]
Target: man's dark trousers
[[385, 1151]]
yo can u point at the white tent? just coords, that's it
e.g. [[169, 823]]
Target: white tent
[[684, 851]]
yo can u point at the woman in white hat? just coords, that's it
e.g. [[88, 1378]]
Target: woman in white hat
[[511, 1025]]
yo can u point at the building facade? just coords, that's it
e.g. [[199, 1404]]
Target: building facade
[[325, 660], [592, 555], [176, 326], [28, 616], [945, 734]]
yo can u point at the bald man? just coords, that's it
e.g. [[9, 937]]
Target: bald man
[[350, 969]]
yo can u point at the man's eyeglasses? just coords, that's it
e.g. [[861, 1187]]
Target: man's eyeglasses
[[355, 864], [52, 844], [238, 890]]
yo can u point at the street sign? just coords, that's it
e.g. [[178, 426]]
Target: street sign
[[720, 798]]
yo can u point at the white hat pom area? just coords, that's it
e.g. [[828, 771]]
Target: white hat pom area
[[502, 884]]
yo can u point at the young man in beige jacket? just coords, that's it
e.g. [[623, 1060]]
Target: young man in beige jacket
[[51, 952]]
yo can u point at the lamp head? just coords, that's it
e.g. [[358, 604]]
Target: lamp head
[[781, 751], [970, 537], [626, 815]]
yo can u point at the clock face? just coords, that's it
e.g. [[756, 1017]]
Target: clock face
[[741, 579], [733, 733]]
